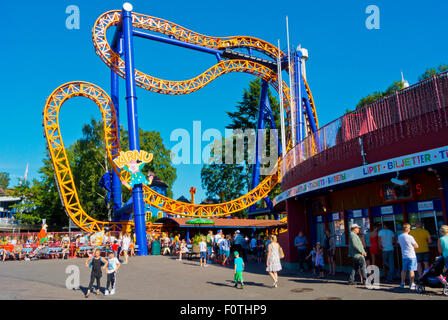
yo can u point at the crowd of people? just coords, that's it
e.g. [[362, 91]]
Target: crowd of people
[[63, 245], [238, 249], [229, 249], [413, 243]]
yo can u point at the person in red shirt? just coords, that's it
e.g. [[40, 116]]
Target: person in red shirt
[[115, 248]]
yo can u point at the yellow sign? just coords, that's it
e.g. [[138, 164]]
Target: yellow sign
[[127, 156]]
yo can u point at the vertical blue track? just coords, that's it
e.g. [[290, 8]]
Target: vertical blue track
[[134, 143]]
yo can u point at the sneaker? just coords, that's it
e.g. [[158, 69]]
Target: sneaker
[[351, 283], [106, 293], [112, 292], [205, 265], [412, 286], [402, 285], [242, 286]]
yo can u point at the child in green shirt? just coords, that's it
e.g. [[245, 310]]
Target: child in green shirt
[[239, 267]]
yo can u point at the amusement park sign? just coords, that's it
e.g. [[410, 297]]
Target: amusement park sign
[[407, 162]]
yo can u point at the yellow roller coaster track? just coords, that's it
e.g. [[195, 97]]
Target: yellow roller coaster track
[[64, 177]]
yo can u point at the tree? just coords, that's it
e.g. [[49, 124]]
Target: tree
[[233, 180], [88, 162], [223, 180], [4, 180], [431, 72], [396, 86]]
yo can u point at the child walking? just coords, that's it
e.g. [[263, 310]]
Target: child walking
[[112, 267], [239, 267], [96, 262], [203, 251]]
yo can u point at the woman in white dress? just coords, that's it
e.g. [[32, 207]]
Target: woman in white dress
[[273, 264], [126, 241]]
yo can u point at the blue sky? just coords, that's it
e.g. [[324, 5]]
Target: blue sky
[[347, 61]]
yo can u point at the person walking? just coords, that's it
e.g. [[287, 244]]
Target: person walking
[[409, 258], [239, 268], [386, 240], [112, 267], [273, 264], [423, 239], [330, 246], [126, 241], [301, 243], [96, 263], [357, 253]]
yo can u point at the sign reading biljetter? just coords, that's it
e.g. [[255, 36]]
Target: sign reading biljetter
[[407, 162]]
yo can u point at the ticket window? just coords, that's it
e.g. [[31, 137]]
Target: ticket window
[[320, 229], [337, 227], [393, 215], [394, 220], [428, 212], [361, 218]]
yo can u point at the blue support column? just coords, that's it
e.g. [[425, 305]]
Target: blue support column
[[260, 125], [298, 96], [134, 143], [265, 112], [116, 183]]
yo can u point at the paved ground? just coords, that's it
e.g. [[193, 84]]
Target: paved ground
[[158, 277]]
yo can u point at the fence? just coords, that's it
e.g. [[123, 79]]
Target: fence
[[429, 98]]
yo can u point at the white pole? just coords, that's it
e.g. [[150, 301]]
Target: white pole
[[280, 92], [291, 94]]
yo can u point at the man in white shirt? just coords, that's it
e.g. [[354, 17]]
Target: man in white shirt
[[409, 258], [386, 240], [218, 236]]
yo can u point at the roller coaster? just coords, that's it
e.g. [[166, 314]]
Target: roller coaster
[[230, 59]]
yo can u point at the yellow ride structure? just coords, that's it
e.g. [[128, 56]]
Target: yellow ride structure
[[54, 102]]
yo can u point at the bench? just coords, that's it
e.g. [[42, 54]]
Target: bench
[[193, 252]]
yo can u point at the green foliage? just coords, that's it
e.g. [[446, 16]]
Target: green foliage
[[4, 180], [396, 86], [88, 161], [27, 218], [197, 238], [431, 72], [233, 180]]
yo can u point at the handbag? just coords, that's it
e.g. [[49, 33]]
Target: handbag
[[281, 253]]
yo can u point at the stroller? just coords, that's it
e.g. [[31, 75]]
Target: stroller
[[433, 278]]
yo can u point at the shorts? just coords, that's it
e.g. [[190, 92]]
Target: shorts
[[226, 253], [204, 255], [422, 257], [409, 264]]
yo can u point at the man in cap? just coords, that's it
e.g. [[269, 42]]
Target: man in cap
[[357, 252]]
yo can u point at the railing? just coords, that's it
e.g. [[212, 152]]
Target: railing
[[427, 97]]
